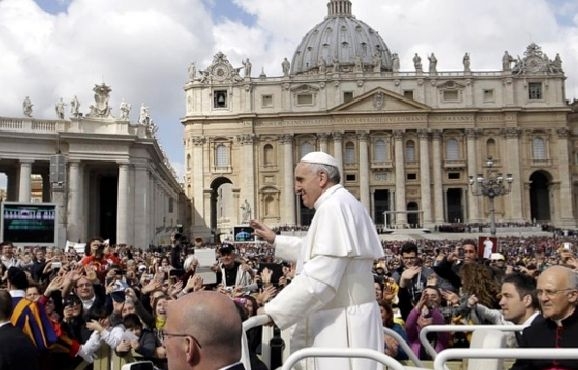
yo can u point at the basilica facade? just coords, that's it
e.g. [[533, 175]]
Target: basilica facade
[[407, 141]]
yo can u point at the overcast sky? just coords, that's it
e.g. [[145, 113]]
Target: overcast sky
[[141, 48]]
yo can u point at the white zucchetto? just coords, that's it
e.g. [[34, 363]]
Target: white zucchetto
[[320, 158]]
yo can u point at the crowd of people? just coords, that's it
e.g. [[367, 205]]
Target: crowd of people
[[336, 286], [117, 296]]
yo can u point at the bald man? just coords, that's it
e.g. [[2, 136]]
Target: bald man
[[203, 331], [557, 291]]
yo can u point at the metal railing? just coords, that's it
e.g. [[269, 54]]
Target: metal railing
[[342, 353], [260, 320], [403, 344], [504, 353], [459, 328]]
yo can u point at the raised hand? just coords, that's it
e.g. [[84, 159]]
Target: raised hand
[[176, 288], [263, 231], [266, 275]]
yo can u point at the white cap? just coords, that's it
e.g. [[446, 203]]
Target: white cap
[[497, 257], [320, 158]]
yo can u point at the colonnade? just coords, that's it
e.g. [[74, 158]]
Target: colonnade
[[146, 206]]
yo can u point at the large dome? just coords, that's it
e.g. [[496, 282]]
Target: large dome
[[339, 42]]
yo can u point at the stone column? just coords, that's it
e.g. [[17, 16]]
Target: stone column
[[512, 165], [400, 205], [24, 187], [338, 151], [425, 178], [438, 196], [198, 159], [288, 187], [142, 206], [363, 136], [123, 195], [566, 211], [12, 184], [473, 205], [323, 142], [45, 187], [74, 198], [248, 174]]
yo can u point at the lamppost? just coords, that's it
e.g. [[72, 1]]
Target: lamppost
[[492, 185]]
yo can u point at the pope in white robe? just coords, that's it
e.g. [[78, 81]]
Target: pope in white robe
[[330, 302]]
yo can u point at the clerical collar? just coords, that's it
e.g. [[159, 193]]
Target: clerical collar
[[573, 317]]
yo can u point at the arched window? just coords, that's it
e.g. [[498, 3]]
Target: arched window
[[539, 148], [349, 157], [410, 151], [379, 151], [268, 155], [221, 156], [188, 161], [491, 148], [306, 147], [452, 150]]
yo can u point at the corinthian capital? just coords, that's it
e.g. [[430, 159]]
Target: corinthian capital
[[471, 133], [512, 132], [563, 132], [423, 133], [246, 139], [398, 134], [198, 140], [286, 139]]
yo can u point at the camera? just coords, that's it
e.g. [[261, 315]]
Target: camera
[[56, 265]]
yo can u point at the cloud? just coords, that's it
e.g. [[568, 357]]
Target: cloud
[[142, 48]]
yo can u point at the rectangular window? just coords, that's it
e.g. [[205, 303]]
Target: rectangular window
[[220, 98], [349, 177], [454, 175], [347, 96], [411, 176], [408, 94], [535, 90], [267, 101], [451, 96], [488, 95], [171, 205], [304, 99]]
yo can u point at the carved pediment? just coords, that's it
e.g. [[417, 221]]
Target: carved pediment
[[380, 99], [304, 89], [451, 85], [220, 71]]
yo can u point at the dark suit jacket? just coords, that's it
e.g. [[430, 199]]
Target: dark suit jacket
[[545, 333], [16, 350]]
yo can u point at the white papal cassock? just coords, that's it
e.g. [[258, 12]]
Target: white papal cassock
[[331, 301]]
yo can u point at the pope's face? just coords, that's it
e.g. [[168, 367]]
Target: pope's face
[[308, 184]]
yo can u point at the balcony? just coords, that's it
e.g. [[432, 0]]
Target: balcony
[[454, 163]]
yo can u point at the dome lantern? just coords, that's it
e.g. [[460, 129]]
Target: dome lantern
[[339, 8], [341, 43]]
